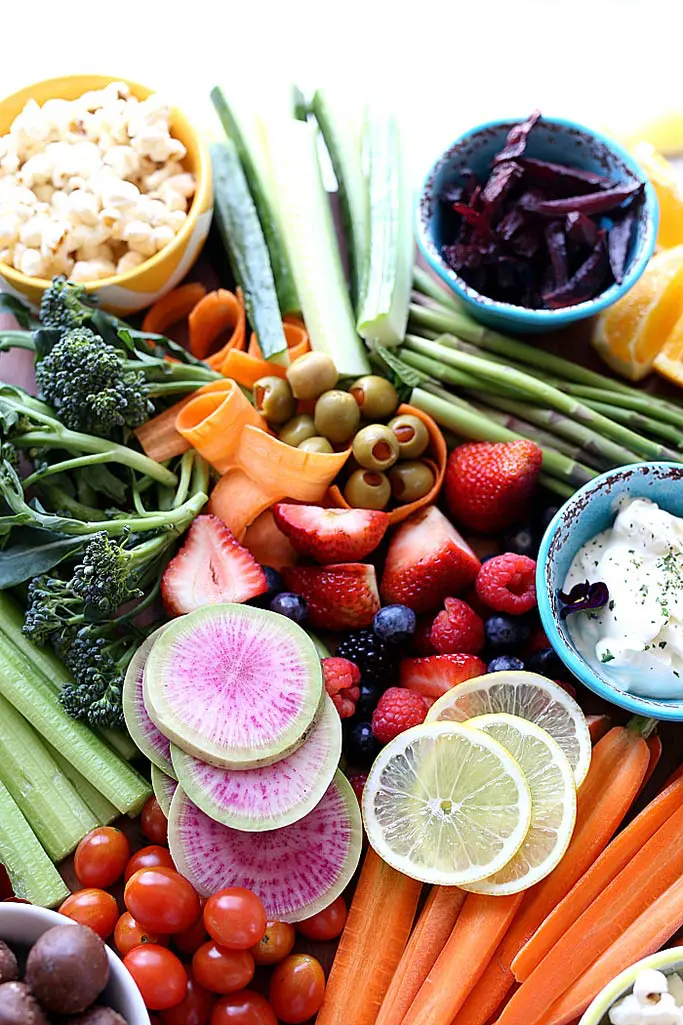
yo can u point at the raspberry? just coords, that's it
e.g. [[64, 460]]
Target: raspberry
[[398, 710], [342, 680], [358, 781], [507, 583], [457, 630]]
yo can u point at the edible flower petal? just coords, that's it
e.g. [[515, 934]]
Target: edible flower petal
[[583, 597]]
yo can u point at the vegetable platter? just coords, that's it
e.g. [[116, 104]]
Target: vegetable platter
[[280, 721]]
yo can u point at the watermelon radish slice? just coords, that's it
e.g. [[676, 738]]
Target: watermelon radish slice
[[273, 796], [234, 685], [296, 871], [146, 736], [164, 788]]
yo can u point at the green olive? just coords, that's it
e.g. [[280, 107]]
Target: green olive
[[410, 480], [336, 416], [367, 489], [312, 374], [375, 447], [274, 400], [298, 429], [376, 397], [411, 434], [316, 444]]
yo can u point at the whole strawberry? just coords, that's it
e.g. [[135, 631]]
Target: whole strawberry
[[488, 485], [342, 683], [398, 709]]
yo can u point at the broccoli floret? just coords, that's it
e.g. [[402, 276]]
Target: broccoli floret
[[64, 305], [104, 579], [98, 661], [91, 385], [53, 610]]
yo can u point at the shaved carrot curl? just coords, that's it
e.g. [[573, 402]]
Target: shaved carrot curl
[[173, 307], [219, 313]]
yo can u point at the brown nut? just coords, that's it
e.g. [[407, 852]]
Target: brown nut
[[67, 969], [19, 1007]]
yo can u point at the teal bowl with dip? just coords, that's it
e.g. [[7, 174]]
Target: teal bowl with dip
[[646, 682], [665, 961]]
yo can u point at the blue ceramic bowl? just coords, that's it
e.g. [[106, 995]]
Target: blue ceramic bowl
[[551, 139], [584, 515]]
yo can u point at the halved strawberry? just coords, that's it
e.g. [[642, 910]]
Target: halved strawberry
[[427, 562], [331, 535], [433, 676], [211, 568], [339, 597]]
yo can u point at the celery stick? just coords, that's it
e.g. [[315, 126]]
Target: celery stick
[[103, 810], [31, 695], [31, 873], [120, 742]]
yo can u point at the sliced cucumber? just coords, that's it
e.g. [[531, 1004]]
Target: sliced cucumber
[[344, 144], [33, 876], [313, 247], [240, 230], [299, 105], [388, 278], [244, 132]]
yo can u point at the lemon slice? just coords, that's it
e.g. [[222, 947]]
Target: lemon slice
[[446, 804], [530, 696], [553, 802]]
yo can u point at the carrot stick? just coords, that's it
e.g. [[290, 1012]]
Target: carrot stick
[[159, 438], [428, 939], [598, 726], [613, 859], [481, 924], [218, 312], [647, 934], [654, 743], [176, 305], [365, 961], [618, 767], [647, 875]]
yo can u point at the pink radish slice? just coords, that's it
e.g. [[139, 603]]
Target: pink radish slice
[[296, 871], [151, 742], [164, 788], [234, 685], [273, 796]]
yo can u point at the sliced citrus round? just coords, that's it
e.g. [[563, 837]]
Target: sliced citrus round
[[553, 802], [530, 696], [666, 182], [446, 804]]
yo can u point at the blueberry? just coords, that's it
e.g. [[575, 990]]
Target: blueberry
[[273, 579], [370, 694], [546, 662], [291, 605], [395, 623], [506, 633], [361, 745], [522, 541], [505, 663]]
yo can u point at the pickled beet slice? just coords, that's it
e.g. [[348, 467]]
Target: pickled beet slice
[[515, 143], [585, 283], [595, 203], [557, 250], [560, 176]]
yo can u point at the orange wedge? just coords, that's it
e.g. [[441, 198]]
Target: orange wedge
[[669, 361], [667, 184], [630, 334]]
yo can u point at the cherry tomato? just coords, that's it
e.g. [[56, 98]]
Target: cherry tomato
[[159, 975], [297, 988], [276, 942], [191, 939], [161, 900], [148, 857], [101, 857], [193, 1009], [129, 933], [154, 1020], [243, 1008], [95, 908], [327, 924], [153, 822], [221, 970], [235, 918]]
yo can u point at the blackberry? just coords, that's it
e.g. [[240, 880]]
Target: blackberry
[[372, 655], [370, 694]]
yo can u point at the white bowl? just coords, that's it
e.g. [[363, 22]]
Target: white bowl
[[24, 923], [667, 961]]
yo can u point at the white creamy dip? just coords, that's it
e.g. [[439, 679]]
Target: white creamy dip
[[638, 635]]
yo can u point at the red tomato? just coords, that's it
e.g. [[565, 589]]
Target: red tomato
[[159, 975], [193, 1009], [235, 918], [243, 1008], [276, 942], [153, 822], [221, 970], [149, 857], [154, 1020], [129, 933], [327, 924], [191, 939], [297, 988], [95, 908], [160, 899], [101, 857]]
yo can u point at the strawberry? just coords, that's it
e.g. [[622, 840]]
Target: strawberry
[[427, 561], [457, 629], [488, 485], [331, 535], [340, 597], [211, 568], [433, 676]]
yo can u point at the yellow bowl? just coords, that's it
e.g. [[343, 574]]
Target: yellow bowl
[[137, 288]]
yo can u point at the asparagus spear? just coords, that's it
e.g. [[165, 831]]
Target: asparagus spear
[[638, 422], [425, 284]]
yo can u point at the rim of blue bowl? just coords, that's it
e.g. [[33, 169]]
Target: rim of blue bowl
[[655, 708], [564, 314]]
